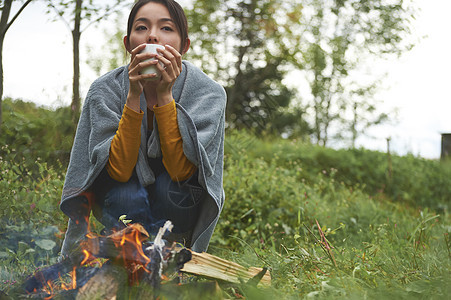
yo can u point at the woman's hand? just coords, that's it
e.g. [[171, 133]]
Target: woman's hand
[[170, 71], [136, 79], [172, 62]]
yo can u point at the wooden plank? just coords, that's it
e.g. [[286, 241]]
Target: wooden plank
[[205, 264]]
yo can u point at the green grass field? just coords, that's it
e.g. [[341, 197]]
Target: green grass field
[[326, 223]]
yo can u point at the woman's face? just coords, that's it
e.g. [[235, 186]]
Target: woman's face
[[153, 25]]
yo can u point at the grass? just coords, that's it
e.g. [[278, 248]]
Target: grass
[[381, 248], [322, 234]]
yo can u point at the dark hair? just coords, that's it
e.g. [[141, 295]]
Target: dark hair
[[175, 11]]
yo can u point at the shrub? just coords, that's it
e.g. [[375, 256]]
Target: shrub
[[414, 181], [31, 225], [379, 248], [36, 132]]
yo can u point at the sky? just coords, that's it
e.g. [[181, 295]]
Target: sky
[[37, 60]]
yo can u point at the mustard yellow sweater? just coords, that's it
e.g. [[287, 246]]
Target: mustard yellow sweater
[[125, 145]]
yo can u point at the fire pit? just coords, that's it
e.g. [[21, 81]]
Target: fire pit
[[127, 262]]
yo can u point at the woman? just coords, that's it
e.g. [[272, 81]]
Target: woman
[[146, 147]]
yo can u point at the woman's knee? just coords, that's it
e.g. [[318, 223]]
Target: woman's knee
[[176, 201], [129, 199]]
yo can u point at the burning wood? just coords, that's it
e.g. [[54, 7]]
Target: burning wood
[[125, 245], [103, 285], [144, 262], [128, 248]]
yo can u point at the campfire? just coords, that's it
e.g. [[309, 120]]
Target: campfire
[[127, 261]]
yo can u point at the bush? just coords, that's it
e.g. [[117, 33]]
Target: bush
[[414, 181], [31, 225], [36, 132], [378, 248], [327, 223]]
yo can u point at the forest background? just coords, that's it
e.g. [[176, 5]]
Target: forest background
[[412, 92], [386, 215]]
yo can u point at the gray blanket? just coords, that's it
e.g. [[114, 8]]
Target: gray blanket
[[200, 103]]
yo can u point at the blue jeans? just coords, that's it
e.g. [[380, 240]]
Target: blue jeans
[[151, 206]]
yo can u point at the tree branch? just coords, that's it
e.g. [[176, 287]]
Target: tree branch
[[105, 15], [60, 15], [17, 14], [6, 9]]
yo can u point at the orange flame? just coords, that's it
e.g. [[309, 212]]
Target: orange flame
[[73, 281], [49, 290], [87, 255], [74, 278], [130, 243]]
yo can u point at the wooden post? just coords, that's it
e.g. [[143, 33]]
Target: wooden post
[[446, 146], [389, 162]]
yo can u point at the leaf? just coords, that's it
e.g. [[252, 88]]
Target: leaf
[[286, 228], [247, 213], [124, 220], [49, 230], [23, 246], [31, 250], [418, 287], [46, 244]]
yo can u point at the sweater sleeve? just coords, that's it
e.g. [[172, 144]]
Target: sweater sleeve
[[174, 159], [125, 146]]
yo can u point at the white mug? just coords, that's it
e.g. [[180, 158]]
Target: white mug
[[152, 48]]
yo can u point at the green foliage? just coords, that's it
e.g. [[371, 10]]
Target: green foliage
[[376, 236], [31, 132], [246, 46], [340, 35], [113, 53], [31, 225], [414, 181], [381, 249], [91, 11], [78, 16], [35, 144]]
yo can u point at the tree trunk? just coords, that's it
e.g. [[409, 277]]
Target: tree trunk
[[231, 101], [3, 28], [317, 106], [354, 124], [247, 35], [2, 37], [76, 33], [4, 25]]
